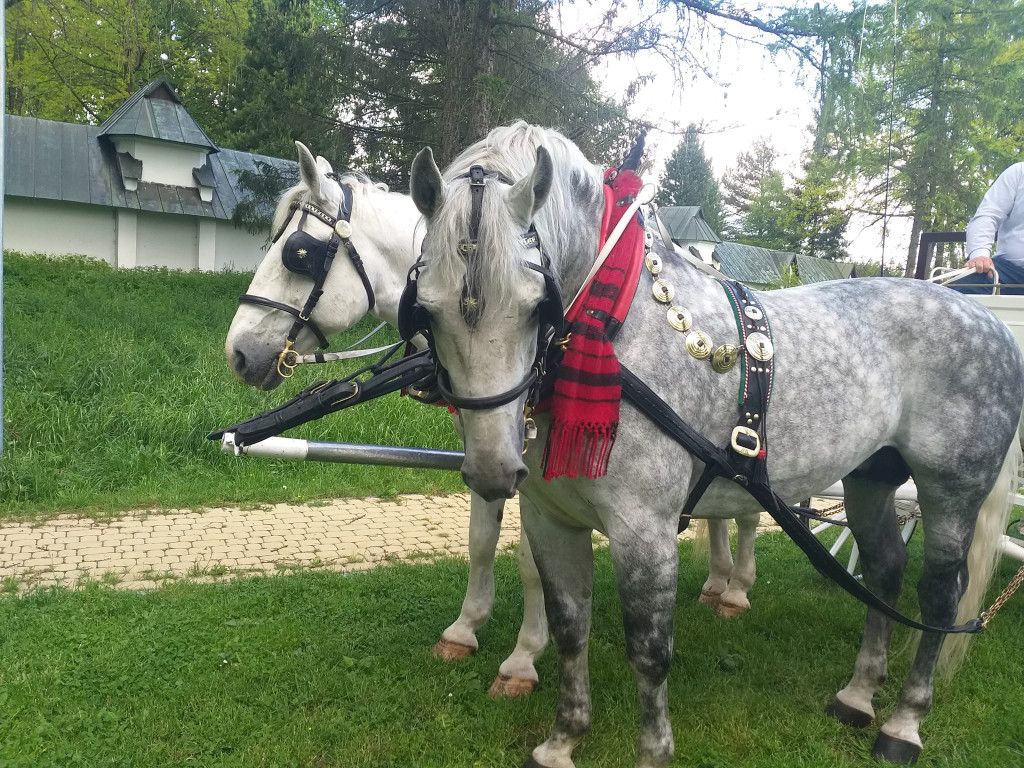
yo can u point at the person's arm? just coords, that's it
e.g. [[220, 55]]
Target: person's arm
[[995, 207]]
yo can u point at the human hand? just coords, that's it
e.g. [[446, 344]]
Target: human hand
[[982, 264]]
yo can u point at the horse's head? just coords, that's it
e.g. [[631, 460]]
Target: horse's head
[[483, 298], [339, 234]]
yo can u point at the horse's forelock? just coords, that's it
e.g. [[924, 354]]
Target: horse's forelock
[[512, 151]]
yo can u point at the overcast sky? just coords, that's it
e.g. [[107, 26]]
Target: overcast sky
[[750, 95]]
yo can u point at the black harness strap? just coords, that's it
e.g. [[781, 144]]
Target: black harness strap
[[659, 412], [326, 397], [316, 264], [249, 298], [748, 446]]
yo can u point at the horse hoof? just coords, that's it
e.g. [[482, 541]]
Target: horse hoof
[[712, 599], [896, 751], [848, 715], [531, 763], [446, 650], [511, 687], [730, 611]]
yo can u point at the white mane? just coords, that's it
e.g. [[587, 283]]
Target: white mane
[[565, 222]]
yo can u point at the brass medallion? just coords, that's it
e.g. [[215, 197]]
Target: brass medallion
[[663, 292], [343, 228], [753, 312], [680, 318], [653, 263], [725, 357], [699, 344], [760, 347]]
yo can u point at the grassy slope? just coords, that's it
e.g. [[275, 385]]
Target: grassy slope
[[112, 379], [322, 669]]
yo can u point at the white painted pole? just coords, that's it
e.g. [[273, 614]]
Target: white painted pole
[[345, 453]]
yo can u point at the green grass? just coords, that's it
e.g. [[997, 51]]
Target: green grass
[[322, 669], [113, 379]]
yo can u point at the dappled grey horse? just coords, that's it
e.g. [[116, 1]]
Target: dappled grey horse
[[865, 371]]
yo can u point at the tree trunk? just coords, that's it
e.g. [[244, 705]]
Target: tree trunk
[[915, 236], [465, 105], [454, 91]]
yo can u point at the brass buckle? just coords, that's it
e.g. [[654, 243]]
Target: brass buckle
[[287, 360], [741, 449]]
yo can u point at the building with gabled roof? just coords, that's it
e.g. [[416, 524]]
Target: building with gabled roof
[[148, 187], [750, 264]]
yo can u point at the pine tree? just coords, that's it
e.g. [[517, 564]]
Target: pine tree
[[766, 221], [689, 180], [742, 184]]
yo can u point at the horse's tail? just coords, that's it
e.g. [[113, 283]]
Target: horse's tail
[[984, 553], [701, 540]]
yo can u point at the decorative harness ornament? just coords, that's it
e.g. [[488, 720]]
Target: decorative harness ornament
[[304, 254]]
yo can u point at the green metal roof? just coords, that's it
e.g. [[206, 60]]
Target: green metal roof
[[69, 161], [686, 223], [747, 263], [812, 270], [156, 112]]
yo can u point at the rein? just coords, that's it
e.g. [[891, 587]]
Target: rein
[[306, 255]]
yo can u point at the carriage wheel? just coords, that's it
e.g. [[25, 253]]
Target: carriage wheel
[[845, 549]]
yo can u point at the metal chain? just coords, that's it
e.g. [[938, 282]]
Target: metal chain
[[1015, 582]]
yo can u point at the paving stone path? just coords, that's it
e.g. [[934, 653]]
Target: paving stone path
[[142, 551]]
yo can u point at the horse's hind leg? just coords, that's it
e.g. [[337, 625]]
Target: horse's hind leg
[[871, 514], [565, 561], [646, 559], [517, 675], [734, 600], [459, 640], [948, 532]]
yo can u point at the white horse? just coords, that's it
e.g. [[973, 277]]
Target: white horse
[[863, 373], [387, 237]]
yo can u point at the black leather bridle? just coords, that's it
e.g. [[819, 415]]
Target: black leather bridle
[[304, 254], [413, 319]]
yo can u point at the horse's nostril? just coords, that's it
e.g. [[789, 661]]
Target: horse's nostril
[[238, 360], [521, 475]]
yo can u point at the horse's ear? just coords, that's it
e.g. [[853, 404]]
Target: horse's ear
[[428, 188], [308, 171], [323, 166], [530, 193]]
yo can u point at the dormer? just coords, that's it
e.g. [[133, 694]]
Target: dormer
[[159, 142]]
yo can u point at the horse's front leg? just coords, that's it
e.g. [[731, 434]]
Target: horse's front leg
[[517, 675], [645, 553], [459, 640], [565, 562]]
